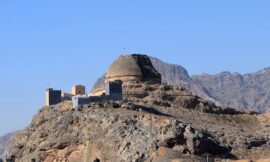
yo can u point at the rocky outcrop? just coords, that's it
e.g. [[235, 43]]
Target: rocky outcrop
[[5, 142], [149, 73], [107, 135]]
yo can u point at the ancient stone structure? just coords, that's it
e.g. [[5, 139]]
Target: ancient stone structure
[[66, 96], [128, 68], [53, 97], [78, 90], [134, 67], [113, 92], [113, 88]]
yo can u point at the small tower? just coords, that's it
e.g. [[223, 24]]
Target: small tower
[[53, 97], [78, 90], [114, 89]]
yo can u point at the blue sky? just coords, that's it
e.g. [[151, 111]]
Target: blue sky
[[61, 43]]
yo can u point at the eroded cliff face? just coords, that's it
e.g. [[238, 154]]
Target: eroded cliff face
[[154, 123]]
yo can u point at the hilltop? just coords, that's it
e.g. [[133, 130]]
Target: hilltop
[[153, 122], [184, 126]]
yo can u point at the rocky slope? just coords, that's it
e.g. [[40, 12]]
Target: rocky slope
[[249, 91], [5, 142], [154, 123]]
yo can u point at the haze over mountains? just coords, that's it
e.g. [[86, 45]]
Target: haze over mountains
[[248, 91]]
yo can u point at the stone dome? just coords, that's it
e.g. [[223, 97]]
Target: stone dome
[[134, 67], [125, 68]]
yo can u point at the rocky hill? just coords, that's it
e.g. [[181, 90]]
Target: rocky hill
[[5, 142], [248, 91], [154, 123]]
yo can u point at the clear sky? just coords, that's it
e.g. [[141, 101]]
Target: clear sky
[[62, 43]]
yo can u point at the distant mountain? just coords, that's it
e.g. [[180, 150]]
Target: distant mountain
[[5, 142], [177, 75], [248, 91]]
